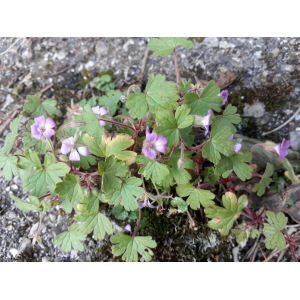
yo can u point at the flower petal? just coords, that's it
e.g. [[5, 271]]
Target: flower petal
[[67, 145], [231, 137], [40, 121], [149, 153], [103, 111], [150, 205], [142, 205], [102, 123], [147, 130], [49, 123], [74, 156], [127, 227], [96, 110], [48, 133], [35, 132], [237, 147], [84, 150], [160, 144], [225, 95], [151, 137]]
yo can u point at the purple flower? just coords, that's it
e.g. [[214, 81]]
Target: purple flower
[[224, 94], [127, 228], [153, 143], [42, 127], [99, 112], [146, 203], [68, 146], [206, 121], [282, 149], [237, 147]]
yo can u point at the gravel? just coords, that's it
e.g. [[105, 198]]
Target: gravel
[[267, 91]]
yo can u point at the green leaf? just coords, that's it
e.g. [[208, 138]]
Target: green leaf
[[185, 86], [182, 176], [12, 136], [37, 108], [158, 95], [272, 230], [38, 181], [212, 175], [96, 222], [223, 217], [180, 204], [290, 174], [92, 126], [9, 165], [71, 239], [254, 233], [129, 247], [112, 147], [33, 204], [237, 163], [228, 118], [70, 189], [152, 169], [85, 162], [41, 146], [92, 102], [260, 188], [110, 171], [120, 213], [209, 99], [170, 125], [196, 196], [240, 235], [164, 46], [127, 195], [218, 144], [111, 100]]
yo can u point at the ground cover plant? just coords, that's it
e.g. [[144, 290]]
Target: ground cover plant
[[139, 150]]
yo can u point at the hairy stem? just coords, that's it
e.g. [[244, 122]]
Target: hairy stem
[[118, 123], [256, 146], [139, 222], [176, 66]]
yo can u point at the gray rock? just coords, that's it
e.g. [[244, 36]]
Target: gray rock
[[62, 55], [11, 215], [25, 243], [255, 110], [295, 140], [14, 252], [101, 48], [90, 65]]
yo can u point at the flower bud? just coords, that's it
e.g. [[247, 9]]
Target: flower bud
[[198, 121], [123, 98], [269, 147], [180, 163]]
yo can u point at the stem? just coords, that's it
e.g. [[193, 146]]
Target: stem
[[139, 222], [197, 147], [255, 146], [176, 66], [293, 252], [117, 123], [44, 196]]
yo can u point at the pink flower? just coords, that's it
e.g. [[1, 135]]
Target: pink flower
[[127, 227], [42, 127], [281, 149], [237, 147], [68, 146], [99, 112], [224, 94], [206, 121], [146, 203], [153, 143]]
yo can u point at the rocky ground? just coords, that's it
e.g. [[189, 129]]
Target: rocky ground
[[266, 91]]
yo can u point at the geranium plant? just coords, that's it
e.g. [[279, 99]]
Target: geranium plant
[[114, 151]]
